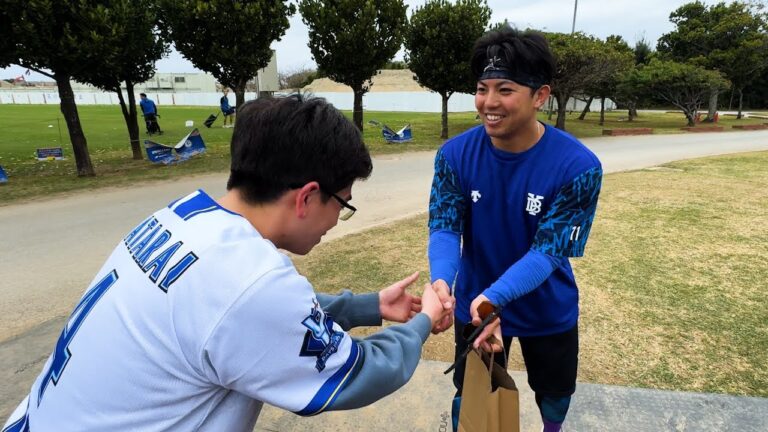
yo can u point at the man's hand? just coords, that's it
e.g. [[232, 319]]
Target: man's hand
[[431, 305], [449, 304], [489, 339], [397, 305]]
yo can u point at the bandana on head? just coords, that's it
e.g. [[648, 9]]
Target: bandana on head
[[498, 69]]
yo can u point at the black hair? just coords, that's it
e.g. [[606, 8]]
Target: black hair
[[142, 94], [525, 55], [284, 143]]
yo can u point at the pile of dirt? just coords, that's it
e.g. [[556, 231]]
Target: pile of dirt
[[387, 80]]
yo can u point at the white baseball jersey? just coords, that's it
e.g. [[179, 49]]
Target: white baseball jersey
[[192, 321]]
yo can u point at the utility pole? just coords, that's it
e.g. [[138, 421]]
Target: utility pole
[[575, 6]]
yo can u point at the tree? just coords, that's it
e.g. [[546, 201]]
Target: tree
[[8, 45], [135, 46], [296, 78], [351, 39], [730, 38], [643, 52], [55, 38], [579, 62], [229, 39], [683, 85], [627, 93], [616, 59], [438, 45]]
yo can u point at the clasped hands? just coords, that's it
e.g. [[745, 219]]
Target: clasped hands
[[396, 304], [489, 338]]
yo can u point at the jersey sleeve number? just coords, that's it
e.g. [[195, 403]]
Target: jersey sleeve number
[[62, 354], [575, 231]]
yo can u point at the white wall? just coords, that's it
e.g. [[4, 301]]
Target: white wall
[[102, 98], [383, 101]]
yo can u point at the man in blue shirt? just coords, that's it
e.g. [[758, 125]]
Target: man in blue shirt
[[227, 110], [521, 195], [149, 109]]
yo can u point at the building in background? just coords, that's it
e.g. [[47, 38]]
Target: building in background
[[176, 88]]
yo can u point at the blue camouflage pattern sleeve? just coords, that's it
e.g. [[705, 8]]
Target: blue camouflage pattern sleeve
[[564, 229], [446, 202]]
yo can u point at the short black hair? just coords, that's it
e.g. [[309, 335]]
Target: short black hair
[[523, 53], [142, 94], [284, 143]]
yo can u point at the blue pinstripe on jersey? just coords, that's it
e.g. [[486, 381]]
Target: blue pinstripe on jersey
[[331, 388]]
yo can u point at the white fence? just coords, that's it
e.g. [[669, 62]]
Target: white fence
[[104, 98], [384, 101]]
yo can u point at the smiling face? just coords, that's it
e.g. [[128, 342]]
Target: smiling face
[[507, 109]]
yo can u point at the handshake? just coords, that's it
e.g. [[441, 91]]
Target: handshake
[[396, 304]]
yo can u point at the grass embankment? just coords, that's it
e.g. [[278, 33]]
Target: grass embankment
[[27, 127], [672, 283]]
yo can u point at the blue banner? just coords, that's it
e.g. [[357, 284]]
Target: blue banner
[[189, 146], [401, 136], [50, 153], [3, 175]]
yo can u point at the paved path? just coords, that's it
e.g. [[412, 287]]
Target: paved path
[[424, 405], [51, 249]]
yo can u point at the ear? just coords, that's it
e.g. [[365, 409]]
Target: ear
[[304, 197], [541, 96]]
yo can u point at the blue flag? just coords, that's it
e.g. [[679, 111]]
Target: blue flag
[[189, 146]]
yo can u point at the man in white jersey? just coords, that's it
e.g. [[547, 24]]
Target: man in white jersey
[[197, 318]]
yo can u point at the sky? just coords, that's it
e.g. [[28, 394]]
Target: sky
[[631, 19]]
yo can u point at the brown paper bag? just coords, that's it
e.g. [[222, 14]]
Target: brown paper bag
[[483, 409]]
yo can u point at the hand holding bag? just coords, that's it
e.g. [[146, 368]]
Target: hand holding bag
[[490, 401]]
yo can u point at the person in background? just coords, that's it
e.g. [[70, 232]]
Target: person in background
[[149, 110], [227, 110]]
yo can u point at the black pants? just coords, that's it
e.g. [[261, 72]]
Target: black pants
[[551, 361], [152, 125]]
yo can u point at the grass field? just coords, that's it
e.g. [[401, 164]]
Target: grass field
[[27, 127], [672, 283]]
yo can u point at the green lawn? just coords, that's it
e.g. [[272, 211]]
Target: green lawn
[[672, 283], [27, 127]]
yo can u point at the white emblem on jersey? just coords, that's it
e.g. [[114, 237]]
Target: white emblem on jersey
[[321, 340], [476, 196], [533, 206]]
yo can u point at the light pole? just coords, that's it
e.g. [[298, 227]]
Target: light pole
[[575, 6]]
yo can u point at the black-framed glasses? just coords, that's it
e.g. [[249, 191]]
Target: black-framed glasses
[[348, 210]]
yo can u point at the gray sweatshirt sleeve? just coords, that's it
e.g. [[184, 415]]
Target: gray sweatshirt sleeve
[[390, 357], [350, 310]]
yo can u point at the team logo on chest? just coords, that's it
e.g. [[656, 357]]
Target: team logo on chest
[[476, 195], [321, 340], [533, 205]]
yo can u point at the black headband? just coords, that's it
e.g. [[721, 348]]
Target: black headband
[[498, 69]]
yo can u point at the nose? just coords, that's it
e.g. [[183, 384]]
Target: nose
[[492, 98]]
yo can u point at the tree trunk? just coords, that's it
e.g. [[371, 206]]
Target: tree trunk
[[357, 110], [633, 110], [730, 102], [131, 119], [586, 108], [690, 116], [239, 89], [76, 135], [741, 104], [562, 99], [444, 129], [712, 106], [602, 111], [550, 109]]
